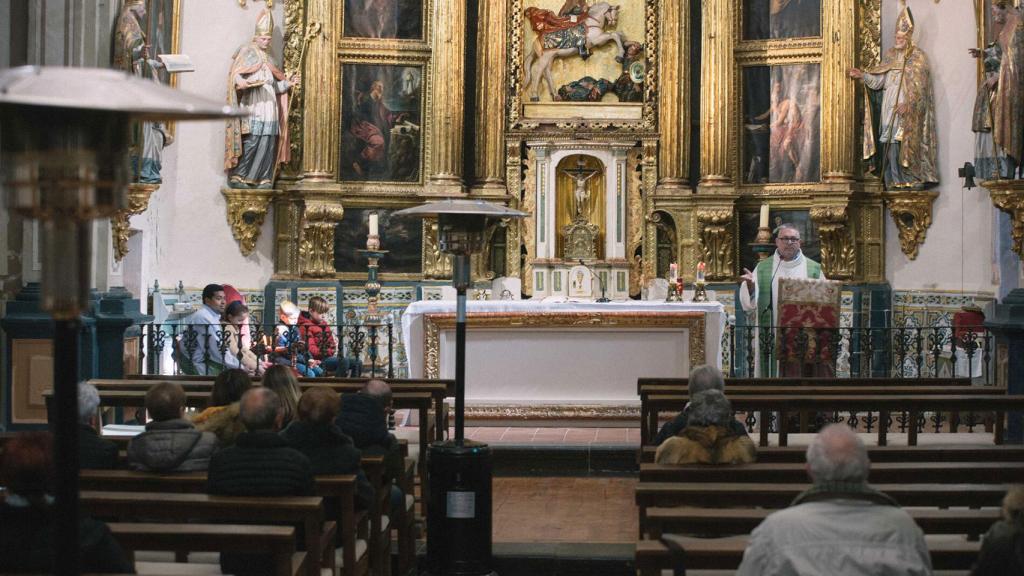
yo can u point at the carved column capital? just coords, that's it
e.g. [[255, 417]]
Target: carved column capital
[[120, 226], [316, 250], [838, 250], [912, 212], [716, 241], [247, 209]]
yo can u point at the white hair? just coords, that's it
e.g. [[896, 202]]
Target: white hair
[[88, 402], [837, 454], [705, 377]]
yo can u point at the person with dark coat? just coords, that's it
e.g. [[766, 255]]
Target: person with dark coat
[[329, 450], [261, 463], [1002, 548], [94, 453], [170, 443], [26, 515], [703, 377], [364, 418]]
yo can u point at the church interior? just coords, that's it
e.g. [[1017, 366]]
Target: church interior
[[542, 236]]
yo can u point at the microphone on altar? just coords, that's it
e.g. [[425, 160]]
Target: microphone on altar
[[600, 281]]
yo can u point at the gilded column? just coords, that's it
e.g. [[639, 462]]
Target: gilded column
[[446, 112], [320, 145], [838, 92], [716, 93], [490, 98], [674, 98]]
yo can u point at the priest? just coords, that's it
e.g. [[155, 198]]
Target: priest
[[759, 290]]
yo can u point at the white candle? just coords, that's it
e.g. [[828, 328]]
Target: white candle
[[700, 272], [373, 224], [764, 216], [673, 272]]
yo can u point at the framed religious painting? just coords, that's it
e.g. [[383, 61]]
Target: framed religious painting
[[163, 34], [810, 243], [781, 19], [383, 19], [582, 62], [781, 124], [381, 123], [401, 237]]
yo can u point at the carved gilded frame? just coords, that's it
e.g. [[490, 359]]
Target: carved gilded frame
[[516, 50], [433, 324], [388, 203]]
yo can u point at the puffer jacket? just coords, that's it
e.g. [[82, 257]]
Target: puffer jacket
[[317, 336], [222, 421], [707, 445], [171, 446]]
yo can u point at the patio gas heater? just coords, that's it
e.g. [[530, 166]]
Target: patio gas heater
[[459, 523]]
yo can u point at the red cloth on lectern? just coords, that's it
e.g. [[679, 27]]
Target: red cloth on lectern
[[808, 327]]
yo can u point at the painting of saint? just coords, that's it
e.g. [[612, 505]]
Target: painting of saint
[[782, 132], [397, 19], [401, 237], [381, 112], [774, 19]]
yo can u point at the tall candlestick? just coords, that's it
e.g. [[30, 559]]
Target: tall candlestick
[[763, 223], [374, 230]]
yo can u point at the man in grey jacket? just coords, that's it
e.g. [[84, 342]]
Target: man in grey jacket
[[840, 525], [170, 443]]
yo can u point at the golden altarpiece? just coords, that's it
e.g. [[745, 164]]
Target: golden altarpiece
[[592, 138]]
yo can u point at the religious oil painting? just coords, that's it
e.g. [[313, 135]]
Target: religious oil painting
[[401, 237], [777, 19], [782, 124], [161, 30], [810, 243], [391, 19], [381, 123], [582, 59]]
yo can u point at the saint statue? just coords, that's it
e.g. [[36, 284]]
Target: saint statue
[[905, 143], [131, 54], [989, 162], [580, 175], [257, 143], [1008, 99]]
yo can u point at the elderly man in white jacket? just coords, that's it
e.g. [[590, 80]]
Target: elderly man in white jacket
[[839, 526]]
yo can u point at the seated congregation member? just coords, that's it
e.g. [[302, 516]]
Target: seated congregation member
[[316, 333], [364, 417], [703, 377], [26, 515], [259, 464], [221, 416], [281, 379], [94, 452], [708, 438], [236, 321], [170, 443], [198, 349], [289, 347], [330, 451], [839, 526], [1002, 548]]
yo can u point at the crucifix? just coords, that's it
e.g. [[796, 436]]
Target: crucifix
[[580, 175]]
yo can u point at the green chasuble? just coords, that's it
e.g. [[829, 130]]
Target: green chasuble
[[763, 273]]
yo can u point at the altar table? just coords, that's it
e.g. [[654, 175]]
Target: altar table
[[570, 354]]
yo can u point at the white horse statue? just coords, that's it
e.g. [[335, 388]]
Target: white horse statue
[[551, 45]]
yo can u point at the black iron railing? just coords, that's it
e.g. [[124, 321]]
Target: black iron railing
[[892, 352], [206, 349]]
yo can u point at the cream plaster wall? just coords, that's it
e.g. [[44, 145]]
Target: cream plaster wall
[[185, 231], [962, 221]]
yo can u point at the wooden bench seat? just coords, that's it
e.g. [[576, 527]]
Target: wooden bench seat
[[726, 553], [879, 454], [683, 383], [882, 472], [278, 541], [738, 521]]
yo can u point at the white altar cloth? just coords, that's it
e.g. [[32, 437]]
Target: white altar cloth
[[594, 362]]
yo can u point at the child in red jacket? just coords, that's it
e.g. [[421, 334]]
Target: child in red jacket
[[318, 336]]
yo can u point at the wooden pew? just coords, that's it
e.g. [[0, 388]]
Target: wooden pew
[[882, 472], [726, 553], [878, 454], [739, 521], [682, 383], [278, 541], [915, 405]]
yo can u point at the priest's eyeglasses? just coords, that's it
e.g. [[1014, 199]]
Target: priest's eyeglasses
[[790, 239]]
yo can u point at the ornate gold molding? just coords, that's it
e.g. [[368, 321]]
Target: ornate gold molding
[[433, 324], [635, 220], [552, 412], [247, 208], [294, 42], [120, 223], [838, 251], [447, 98], [912, 212], [1008, 196], [529, 224], [716, 242], [316, 249], [436, 264]]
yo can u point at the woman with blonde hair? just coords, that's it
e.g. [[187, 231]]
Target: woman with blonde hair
[[281, 379]]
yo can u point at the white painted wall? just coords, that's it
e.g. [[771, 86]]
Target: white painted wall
[[185, 231], [962, 221]]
